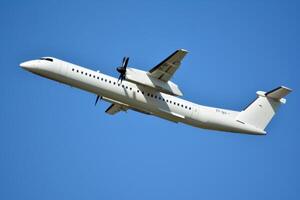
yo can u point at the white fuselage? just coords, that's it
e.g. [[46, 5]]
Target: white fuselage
[[140, 98]]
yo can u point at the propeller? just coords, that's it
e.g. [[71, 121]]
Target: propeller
[[122, 69]]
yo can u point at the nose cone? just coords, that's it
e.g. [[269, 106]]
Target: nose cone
[[28, 65], [24, 65]]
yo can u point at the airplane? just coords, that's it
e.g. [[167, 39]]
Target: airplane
[[153, 93]]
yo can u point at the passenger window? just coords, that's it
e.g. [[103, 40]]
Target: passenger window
[[77, 70]]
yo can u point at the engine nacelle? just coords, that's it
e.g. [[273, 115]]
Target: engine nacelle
[[143, 78]]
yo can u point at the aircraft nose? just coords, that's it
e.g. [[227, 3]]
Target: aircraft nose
[[28, 65]]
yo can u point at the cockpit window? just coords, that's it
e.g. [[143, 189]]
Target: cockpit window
[[49, 59]]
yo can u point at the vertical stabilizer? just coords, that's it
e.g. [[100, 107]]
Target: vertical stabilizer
[[260, 112]]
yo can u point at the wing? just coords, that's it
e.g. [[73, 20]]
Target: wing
[[166, 69], [114, 108]]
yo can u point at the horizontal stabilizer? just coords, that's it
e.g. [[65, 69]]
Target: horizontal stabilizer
[[278, 93]]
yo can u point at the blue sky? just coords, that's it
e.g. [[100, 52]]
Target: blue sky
[[55, 144]]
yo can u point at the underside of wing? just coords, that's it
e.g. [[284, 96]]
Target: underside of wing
[[166, 69], [115, 108]]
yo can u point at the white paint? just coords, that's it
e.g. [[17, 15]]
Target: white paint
[[131, 95]]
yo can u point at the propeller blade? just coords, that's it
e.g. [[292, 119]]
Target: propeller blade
[[121, 77], [126, 62], [97, 100], [123, 62]]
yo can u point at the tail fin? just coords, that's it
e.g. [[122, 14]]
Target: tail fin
[[260, 112]]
